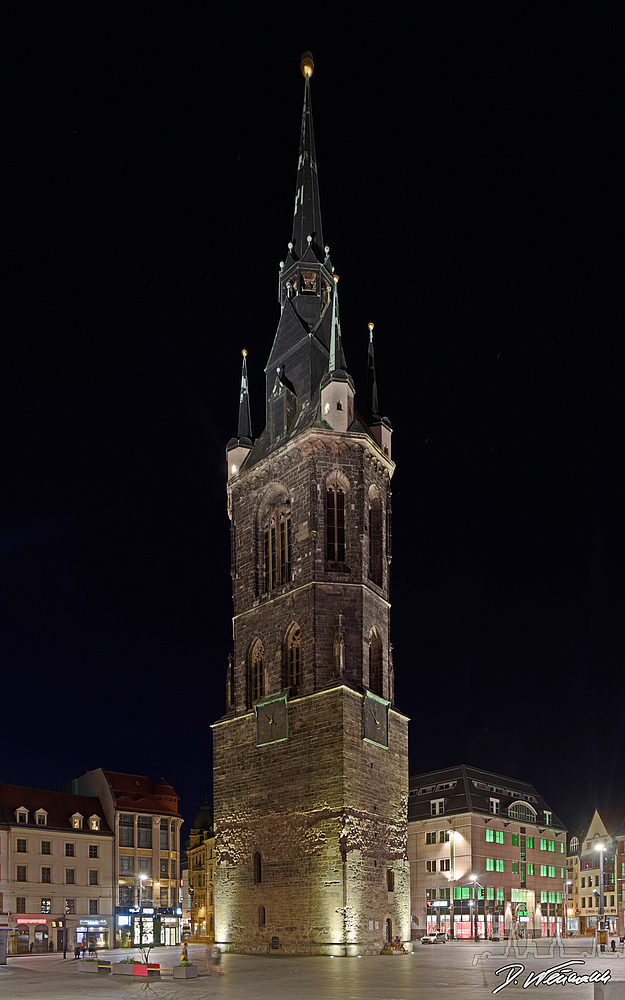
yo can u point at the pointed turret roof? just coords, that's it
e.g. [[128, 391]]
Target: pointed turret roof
[[372, 408], [245, 419], [307, 210]]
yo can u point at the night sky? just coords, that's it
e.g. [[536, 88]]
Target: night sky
[[470, 192]]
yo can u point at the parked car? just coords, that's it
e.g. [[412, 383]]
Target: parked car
[[438, 937]]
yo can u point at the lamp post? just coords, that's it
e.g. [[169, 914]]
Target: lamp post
[[141, 878], [564, 906], [473, 879], [601, 848]]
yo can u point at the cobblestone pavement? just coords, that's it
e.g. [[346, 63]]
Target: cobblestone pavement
[[454, 971]]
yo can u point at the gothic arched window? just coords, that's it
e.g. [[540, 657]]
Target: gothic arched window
[[261, 916], [375, 663], [257, 671], [258, 868], [335, 521], [277, 553], [294, 656], [375, 537]]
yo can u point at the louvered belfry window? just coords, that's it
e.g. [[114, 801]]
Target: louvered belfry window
[[278, 550], [335, 523]]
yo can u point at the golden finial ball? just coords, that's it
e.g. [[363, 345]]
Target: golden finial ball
[[335, 279], [244, 353], [307, 65], [371, 326]]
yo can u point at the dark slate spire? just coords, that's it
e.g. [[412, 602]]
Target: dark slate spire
[[372, 408], [245, 420], [307, 210], [302, 341]]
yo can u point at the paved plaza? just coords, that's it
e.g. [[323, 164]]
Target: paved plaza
[[452, 971]]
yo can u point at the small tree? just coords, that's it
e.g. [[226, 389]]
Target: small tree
[[145, 953]]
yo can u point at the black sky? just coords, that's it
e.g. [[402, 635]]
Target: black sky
[[470, 191]]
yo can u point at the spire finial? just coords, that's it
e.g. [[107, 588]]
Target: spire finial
[[307, 65]]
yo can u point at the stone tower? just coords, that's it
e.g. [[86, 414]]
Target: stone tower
[[311, 757]]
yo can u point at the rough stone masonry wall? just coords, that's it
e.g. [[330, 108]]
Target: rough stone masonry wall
[[300, 473], [327, 812]]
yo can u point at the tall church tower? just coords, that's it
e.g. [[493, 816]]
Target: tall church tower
[[311, 757]]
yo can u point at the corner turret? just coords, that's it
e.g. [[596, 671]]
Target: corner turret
[[238, 448], [380, 427]]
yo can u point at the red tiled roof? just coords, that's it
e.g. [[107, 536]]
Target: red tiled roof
[[59, 806], [141, 794]]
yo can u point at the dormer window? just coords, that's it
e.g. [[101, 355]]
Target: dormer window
[[94, 822], [76, 821], [547, 816], [22, 815], [42, 817], [309, 282]]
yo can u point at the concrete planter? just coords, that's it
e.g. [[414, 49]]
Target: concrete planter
[[186, 971], [88, 966], [122, 969]]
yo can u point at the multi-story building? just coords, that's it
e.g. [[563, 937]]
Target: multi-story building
[[57, 870], [146, 877], [311, 756], [201, 875], [605, 836], [485, 852]]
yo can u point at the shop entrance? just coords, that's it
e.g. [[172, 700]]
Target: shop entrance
[[41, 938], [22, 941]]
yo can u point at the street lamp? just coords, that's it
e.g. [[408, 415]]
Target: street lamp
[[601, 848], [564, 906], [473, 879]]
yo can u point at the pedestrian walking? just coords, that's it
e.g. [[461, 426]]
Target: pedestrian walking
[[217, 962]]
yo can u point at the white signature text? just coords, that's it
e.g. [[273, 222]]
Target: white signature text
[[557, 975]]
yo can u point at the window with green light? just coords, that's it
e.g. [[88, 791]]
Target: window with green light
[[543, 871], [552, 871], [499, 865], [514, 839], [490, 836], [515, 868], [499, 836], [490, 864]]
